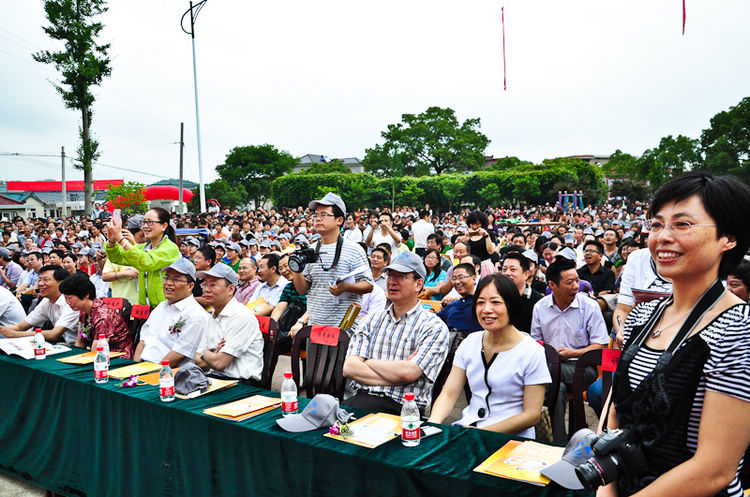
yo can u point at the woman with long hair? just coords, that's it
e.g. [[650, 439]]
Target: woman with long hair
[[435, 274], [159, 251]]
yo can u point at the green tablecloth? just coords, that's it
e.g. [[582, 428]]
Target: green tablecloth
[[62, 431]]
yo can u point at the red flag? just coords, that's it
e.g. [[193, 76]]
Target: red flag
[[505, 86], [683, 17]]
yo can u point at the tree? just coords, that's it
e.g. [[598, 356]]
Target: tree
[[632, 190], [129, 197], [335, 166], [620, 164], [504, 163], [227, 194], [83, 64], [255, 167], [432, 141], [726, 143], [670, 159]]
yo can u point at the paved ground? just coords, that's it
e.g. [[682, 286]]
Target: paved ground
[[12, 487]]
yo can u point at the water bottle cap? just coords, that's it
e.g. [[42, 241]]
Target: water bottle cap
[[101, 336], [409, 396], [165, 362], [100, 349], [287, 374], [38, 330]]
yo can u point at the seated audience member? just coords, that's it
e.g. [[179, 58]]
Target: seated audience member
[[203, 260], [248, 280], [572, 322], [435, 274], [174, 329], [273, 283], [291, 311], [10, 271], [70, 263], [517, 267], [738, 282], [11, 310], [400, 349], [232, 345], [95, 317], [51, 309], [506, 369], [602, 278], [459, 315]]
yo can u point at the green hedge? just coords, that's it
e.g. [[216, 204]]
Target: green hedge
[[526, 183]]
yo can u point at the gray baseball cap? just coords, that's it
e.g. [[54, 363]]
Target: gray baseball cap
[[531, 255], [220, 270], [194, 241], [234, 246], [329, 199], [4, 252], [577, 452], [568, 253], [189, 379], [183, 266], [408, 262], [134, 223], [322, 412], [265, 244]]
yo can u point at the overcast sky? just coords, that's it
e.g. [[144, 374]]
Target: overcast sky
[[326, 77]]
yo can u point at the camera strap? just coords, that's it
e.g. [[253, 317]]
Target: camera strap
[[336, 255]]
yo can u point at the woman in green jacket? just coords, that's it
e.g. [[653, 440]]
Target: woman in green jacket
[[159, 251]]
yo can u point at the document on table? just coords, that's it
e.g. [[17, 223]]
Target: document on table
[[243, 409], [372, 430], [134, 370], [522, 461], [24, 347], [348, 278], [86, 358]]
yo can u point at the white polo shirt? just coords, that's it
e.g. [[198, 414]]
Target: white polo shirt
[[159, 339], [59, 314]]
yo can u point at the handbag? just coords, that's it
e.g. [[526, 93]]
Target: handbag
[[543, 428], [290, 316]]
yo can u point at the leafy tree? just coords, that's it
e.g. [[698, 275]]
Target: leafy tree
[[504, 163], [670, 159], [432, 141], [632, 190], [255, 167], [335, 166], [726, 143], [620, 164], [452, 186], [128, 197], [227, 194], [82, 64]]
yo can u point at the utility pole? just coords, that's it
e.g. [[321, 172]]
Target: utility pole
[[182, 146], [64, 190]]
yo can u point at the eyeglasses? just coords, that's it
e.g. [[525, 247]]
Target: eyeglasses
[[322, 215], [459, 277], [676, 227], [590, 251], [149, 222], [397, 276], [174, 280]]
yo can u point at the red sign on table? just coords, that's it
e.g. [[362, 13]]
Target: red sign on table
[[609, 359], [324, 335], [140, 312], [114, 302]]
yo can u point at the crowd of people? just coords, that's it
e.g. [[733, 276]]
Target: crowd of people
[[450, 302]]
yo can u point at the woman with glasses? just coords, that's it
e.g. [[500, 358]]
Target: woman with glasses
[[159, 251], [505, 368], [435, 274], [682, 387]]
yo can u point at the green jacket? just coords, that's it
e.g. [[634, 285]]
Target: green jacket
[[149, 264]]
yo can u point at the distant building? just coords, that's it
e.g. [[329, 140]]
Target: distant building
[[306, 161], [599, 160], [44, 198]]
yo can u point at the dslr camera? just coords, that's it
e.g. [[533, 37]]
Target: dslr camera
[[615, 453], [301, 257]]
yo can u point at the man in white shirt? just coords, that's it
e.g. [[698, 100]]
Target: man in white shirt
[[174, 329], [383, 232], [422, 229], [51, 309], [232, 345], [11, 310], [273, 283], [351, 231]]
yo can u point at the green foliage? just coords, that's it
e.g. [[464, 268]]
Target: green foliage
[[726, 143], [620, 164], [432, 141], [228, 195], [335, 166], [504, 163], [255, 167], [632, 190], [83, 63], [671, 158], [128, 197]]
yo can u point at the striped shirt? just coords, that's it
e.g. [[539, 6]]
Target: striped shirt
[[387, 337], [727, 369]]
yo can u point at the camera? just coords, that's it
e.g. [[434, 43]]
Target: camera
[[301, 257], [616, 453]]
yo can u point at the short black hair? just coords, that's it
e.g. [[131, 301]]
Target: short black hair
[[725, 198], [209, 253], [469, 268], [554, 270], [386, 213], [436, 238], [742, 272], [78, 284], [58, 272], [507, 290], [60, 253], [595, 243], [272, 260], [516, 256], [385, 246], [386, 254], [423, 213]]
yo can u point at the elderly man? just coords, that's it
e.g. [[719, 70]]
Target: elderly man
[[10, 271], [174, 329], [52, 309], [248, 281], [272, 286], [232, 346], [400, 349]]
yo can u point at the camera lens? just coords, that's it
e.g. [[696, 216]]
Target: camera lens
[[599, 471]]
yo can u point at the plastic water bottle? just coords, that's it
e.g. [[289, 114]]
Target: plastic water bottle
[[288, 395], [104, 344], [40, 345], [101, 366], [410, 421], [166, 382]]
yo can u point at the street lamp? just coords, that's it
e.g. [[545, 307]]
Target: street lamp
[[194, 10]]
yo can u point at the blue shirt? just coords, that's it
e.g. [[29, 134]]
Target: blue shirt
[[459, 315], [578, 326]]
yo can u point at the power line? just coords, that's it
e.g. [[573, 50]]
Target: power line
[[29, 157]]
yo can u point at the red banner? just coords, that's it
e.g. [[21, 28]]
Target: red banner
[[609, 359], [324, 335], [114, 302], [140, 312]]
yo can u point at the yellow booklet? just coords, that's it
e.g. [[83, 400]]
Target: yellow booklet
[[372, 430], [243, 409], [134, 369], [216, 384], [257, 305], [87, 358], [522, 461]]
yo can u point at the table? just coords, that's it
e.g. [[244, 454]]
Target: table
[[62, 431]]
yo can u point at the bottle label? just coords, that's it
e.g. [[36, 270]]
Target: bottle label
[[101, 373], [410, 430], [166, 391], [289, 406], [39, 351]]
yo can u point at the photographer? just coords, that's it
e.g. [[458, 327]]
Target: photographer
[[382, 232], [336, 257]]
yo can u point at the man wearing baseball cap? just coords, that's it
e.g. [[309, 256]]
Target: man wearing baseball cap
[[174, 329], [232, 346], [400, 349]]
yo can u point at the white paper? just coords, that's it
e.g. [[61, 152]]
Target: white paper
[[348, 278]]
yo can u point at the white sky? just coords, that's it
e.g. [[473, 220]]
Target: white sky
[[326, 77]]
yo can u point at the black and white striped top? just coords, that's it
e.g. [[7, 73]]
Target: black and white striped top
[[727, 369]]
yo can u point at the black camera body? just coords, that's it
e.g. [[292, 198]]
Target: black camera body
[[301, 257], [615, 453]]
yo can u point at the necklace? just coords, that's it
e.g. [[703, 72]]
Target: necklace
[[658, 331]]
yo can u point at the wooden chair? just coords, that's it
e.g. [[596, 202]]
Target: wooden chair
[[269, 328], [326, 349], [553, 363], [138, 316], [606, 361]]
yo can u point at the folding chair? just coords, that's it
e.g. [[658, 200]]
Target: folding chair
[[326, 349]]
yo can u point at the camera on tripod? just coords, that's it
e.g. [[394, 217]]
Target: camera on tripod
[[616, 452]]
